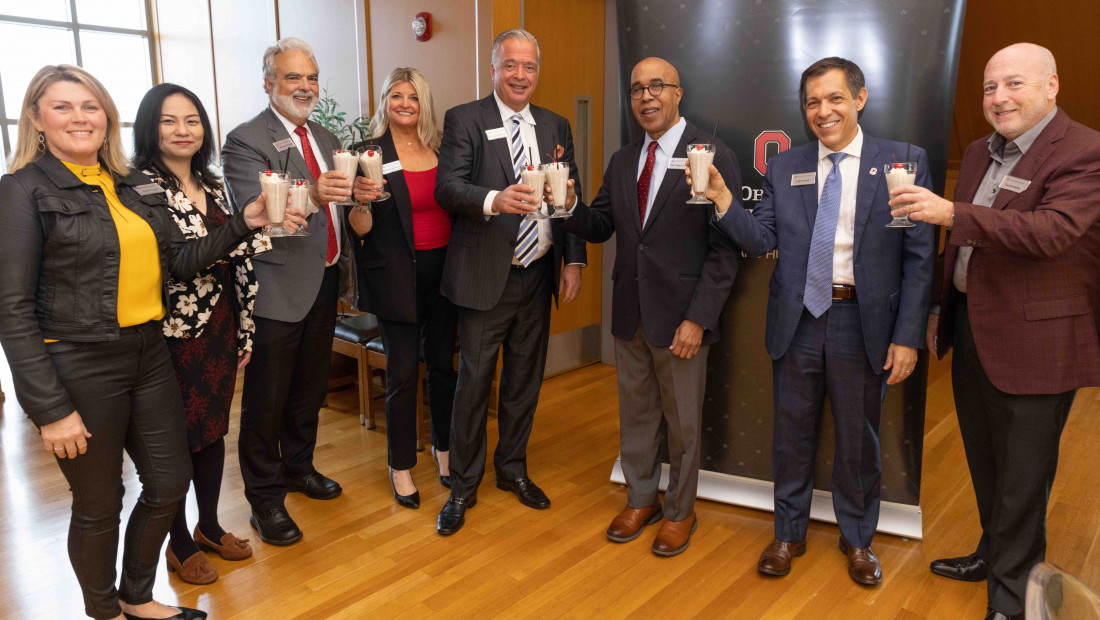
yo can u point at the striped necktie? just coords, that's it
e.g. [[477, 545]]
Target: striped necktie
[[527, 241], [818, 296]]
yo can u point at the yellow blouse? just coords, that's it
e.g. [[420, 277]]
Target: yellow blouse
[[139, 278]]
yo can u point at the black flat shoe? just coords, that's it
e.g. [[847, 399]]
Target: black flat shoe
[[186, 613], [528, 493], [314, 485], [408, 501], [453, 515], [967, 568], [275, 526], [444, 480]]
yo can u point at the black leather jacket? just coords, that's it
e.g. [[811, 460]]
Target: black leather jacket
[[59, 260]]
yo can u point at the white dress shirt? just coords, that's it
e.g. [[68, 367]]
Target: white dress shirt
[[843, 272], [666, 146], [333, 210]]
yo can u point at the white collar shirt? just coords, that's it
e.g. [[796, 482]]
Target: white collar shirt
[[666, 146], [843, 271]]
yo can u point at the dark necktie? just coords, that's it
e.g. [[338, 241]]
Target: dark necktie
[[645, 179], [315, 171]]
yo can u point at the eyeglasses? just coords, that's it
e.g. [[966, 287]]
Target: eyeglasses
[[655, 89]]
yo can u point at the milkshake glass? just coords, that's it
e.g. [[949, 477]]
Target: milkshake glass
[[370, 160], [299, 199], [276, 187], [898, 174], [346, 162], [557, 176], [700, 157], [535, 176]]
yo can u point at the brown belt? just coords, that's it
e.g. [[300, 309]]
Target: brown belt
[[844, 291]]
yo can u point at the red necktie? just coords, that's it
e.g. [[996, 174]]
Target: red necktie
[[643, 181], [315, 170]]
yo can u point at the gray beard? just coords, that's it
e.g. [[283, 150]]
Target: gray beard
[[288, 103]]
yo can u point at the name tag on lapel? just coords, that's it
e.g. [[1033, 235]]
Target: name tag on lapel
[[1014, 184], [283, 145], [393, 166], [496, 134], [804, 178], [677, 163], [148, 189]]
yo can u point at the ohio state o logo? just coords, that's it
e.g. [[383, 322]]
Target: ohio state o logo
[[781, 141]]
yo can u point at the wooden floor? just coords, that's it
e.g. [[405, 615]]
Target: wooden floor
[[364, 557]]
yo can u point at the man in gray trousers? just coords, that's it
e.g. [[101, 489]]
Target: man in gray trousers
[[299, 280]]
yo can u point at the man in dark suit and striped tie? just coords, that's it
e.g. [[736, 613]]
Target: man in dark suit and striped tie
[[501, 271]]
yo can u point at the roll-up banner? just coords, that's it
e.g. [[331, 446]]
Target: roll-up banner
[[740, 62]]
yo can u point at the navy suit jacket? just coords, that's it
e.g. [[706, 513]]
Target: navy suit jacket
[[677, 267], [893, 266]]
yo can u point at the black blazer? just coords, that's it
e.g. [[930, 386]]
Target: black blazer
[[677, 267], [385, 256], [470, 166]]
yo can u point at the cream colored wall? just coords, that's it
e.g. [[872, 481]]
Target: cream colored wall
[[449, 59]]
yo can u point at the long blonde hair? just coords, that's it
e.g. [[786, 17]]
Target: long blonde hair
[[26, 146], [426, 127]]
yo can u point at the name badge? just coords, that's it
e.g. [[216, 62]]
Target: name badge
[[496, 134], [805, 178], [283, 145], [393, 166], [677, 163], [1014, 184], [148, 189]]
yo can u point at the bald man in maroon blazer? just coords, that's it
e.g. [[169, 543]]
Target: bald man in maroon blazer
[[1019, 300]]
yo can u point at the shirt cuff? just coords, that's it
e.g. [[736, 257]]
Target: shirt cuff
[[487, 206], [720, 214], [582, 265], [934, 309]]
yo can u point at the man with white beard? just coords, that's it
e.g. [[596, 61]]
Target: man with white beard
[[299, 280]]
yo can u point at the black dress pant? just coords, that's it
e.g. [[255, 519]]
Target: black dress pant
[[828, 357], [1011, 443], [434, 331], [521, 323], [126, 394], [284, 388]]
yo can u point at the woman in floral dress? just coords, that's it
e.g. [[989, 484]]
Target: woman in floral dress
[[208, 324]]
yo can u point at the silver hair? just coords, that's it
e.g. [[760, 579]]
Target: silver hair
[[519, 34], [288, 44]]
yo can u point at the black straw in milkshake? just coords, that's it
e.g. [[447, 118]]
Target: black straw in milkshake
[[714, 134], [286, 160]]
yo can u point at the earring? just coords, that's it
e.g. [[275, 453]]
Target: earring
[[106, 147], [41, 143]]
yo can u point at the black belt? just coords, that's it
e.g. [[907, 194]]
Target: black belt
[[844, 291], [534, 262]]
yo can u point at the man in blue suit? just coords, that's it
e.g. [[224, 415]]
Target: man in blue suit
[[846, 309]]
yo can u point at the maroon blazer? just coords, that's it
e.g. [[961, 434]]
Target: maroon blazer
[[1033, 281]]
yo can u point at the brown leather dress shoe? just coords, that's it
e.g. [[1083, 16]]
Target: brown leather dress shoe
[[675, 536], [231, 547], [776, 558], [196, 569], [863, 566], [630, 522]]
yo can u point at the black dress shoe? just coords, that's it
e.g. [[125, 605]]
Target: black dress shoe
[[186, 613], [314, 485], [408, 501], [993, 614], [525, 489], [967, 568], [275, 526], [444, 480], [453, 516]]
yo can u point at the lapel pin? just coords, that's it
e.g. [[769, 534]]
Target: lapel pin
[[874, 171]]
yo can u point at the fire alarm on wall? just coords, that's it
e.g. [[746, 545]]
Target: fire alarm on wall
[[422, 26]]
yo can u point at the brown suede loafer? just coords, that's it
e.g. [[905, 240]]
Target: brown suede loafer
[[231, 547], [630, 522], [196, 569], [863, 566], [675, 536], [776, 558]]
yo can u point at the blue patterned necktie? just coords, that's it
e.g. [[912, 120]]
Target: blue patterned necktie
[[818, 295], [527, 241]]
